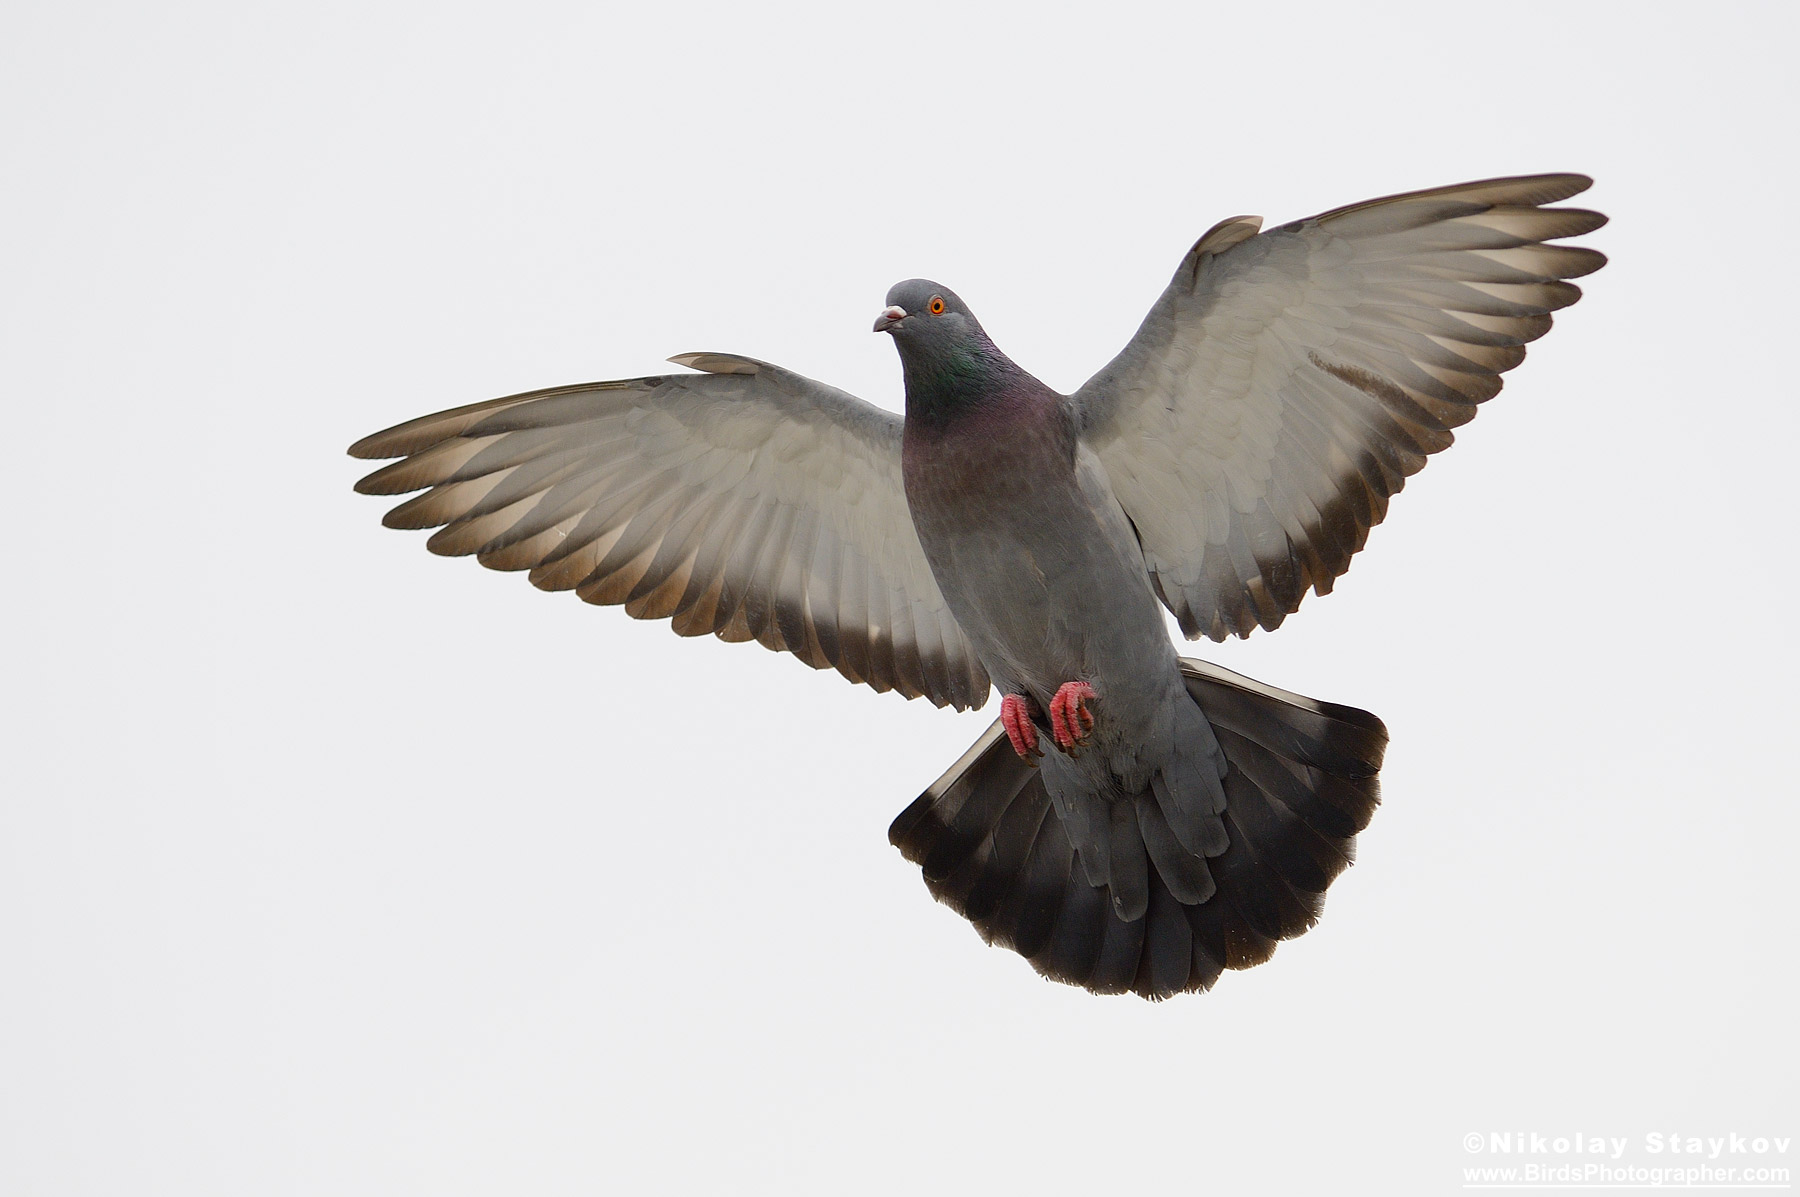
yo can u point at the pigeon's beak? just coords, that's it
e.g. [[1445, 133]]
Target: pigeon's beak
[[889, 317]]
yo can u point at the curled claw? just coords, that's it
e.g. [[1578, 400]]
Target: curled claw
[[1071, 723], [1015, 717]]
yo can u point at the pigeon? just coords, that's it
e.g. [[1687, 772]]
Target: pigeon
[[1134, 821]]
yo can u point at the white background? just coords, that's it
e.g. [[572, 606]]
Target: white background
[[331, 867]]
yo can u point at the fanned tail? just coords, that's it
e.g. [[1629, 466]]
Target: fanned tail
[[1300, 784]]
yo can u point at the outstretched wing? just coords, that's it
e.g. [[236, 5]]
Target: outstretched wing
[[1287, 383], [746, 501]]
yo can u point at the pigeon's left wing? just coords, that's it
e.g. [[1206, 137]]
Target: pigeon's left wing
[[1287, 383], [746, 501]]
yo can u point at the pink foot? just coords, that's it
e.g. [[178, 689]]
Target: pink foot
[[1015, 717], [1071, 723]]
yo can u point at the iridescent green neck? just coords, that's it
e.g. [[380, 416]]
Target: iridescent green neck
[[955, 380]]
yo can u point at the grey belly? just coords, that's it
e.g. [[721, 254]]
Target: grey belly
[[1054, 592]]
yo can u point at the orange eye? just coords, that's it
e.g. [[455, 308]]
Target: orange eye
[[936, 305]]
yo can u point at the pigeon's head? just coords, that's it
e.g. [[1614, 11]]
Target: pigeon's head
[[949, 363], [922, 315]]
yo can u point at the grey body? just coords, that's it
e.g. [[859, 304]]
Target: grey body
[[1228, 462], [1038, 563]]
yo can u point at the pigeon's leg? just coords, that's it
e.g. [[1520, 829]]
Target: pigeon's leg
[[1071, 723], [1015, 717]]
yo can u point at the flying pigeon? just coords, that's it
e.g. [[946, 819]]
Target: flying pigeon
[[1134, 820]]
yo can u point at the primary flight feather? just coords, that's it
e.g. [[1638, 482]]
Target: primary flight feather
[[1133, 820]]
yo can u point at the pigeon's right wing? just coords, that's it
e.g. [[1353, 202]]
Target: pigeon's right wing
[[1286, 384], [745, 501]]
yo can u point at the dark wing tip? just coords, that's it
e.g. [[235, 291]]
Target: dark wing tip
[[372, 448], [1549, 188], [1530, 191], [403, 440], [1581, 261], [1556, 185], [1575, 222], [372, 483]]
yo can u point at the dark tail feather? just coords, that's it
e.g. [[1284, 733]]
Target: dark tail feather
[[1300, 785]]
